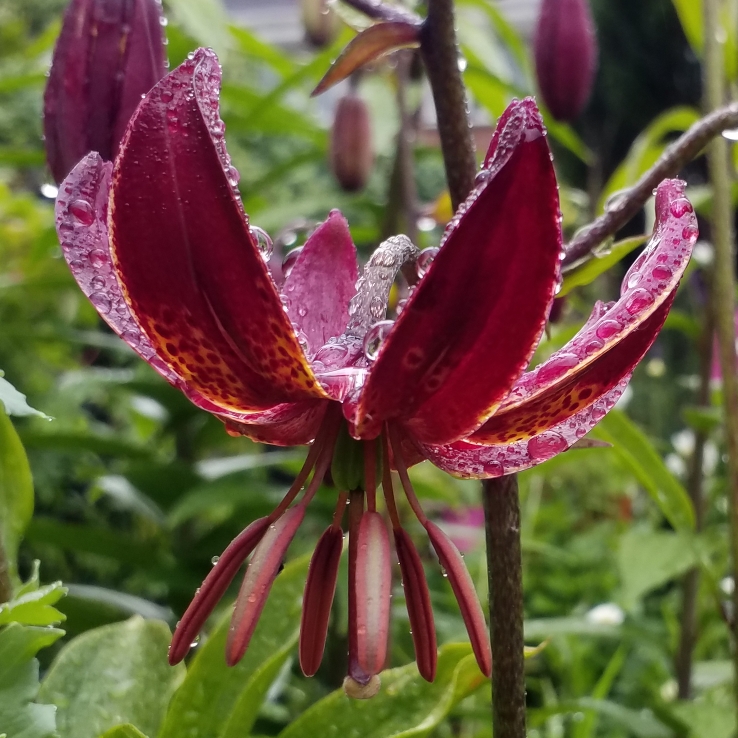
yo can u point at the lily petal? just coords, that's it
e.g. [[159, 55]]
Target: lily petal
[[471, 461], [291, 424], [612, 341], [188, 262], [320, 285], [473, 322]]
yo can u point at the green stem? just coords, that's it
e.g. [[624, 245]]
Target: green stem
[[724, 275]]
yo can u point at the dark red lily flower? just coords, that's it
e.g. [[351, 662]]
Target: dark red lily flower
[[565, 48], [109, 54], [161, 245]]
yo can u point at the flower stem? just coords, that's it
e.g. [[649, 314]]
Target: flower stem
[[505, 572], [724, 275], [441, 58]]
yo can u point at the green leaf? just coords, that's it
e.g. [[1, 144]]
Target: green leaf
[[599, 264], [218, 701], [540, 629], [112, 675], [707, 718], [252, 47], [16, 495], [649, 558], [204, 20], [123, 731], [35, 607], [637, 453], [690, 16], [406, 706], [20, 716], [15, 402]]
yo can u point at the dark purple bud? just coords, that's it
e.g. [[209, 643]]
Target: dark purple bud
[[320, 21], [566, 56], [109, 54], [351, 154]]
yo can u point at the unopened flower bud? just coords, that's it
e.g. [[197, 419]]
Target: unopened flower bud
[[566, 56], [109, 54], [351, 153], [321, 23]]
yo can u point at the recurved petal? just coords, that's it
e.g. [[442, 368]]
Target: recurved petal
[[613, 340], [471, 461], [472, 323], [322, 281], [81, 223], [189, 265], [291, 424]]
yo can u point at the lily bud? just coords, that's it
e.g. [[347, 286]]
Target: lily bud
[[351, 154], [321, 23], [109, 54], [566, 56]]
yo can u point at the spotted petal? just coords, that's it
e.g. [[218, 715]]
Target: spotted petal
[[189, 265], [320, 285], [474, 320], [81, 221], [613, 340]]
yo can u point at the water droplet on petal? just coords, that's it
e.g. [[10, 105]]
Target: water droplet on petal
[[263, 242], [290, 260], [166, 96], [556, 367], [332, 355], [681, 207], [690, 233], [425, 259], [82, 211], [376, 307], [302, 311], [97, 283], [375, 338], [546, 445], [215, 560], [97, 258], [639, 300], [101, 301], [218, 128], [607, 328], [661, 272], [195, 642], [233, 175]]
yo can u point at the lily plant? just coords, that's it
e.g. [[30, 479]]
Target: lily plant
[[159, 242]]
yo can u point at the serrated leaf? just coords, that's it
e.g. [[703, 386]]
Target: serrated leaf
[[635, 450], [406, 707], [16, 497], [20, 715], [34, 607], [112, 675], [222, 702]]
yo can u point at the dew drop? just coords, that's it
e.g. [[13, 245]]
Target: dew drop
[[556, 367], [302, 340], [332, 355], [101, 301], [233, 175], [482, 177], [97, 283], [195, 642], [376, 307], [633, 279], [494, 469], [97, 258], [661, 272], [290, 261], [681, 207], [302, 311], [375, 338], [690, 233], [166, 96], [218, 128], [425, 259], [546, 445], [639, 300], [76, 265], [82, 211], [132, 338], [607, 329], [263, 242], [215, 560]]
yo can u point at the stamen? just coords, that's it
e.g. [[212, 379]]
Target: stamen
[[389, 495], [356, 511], [213, 588], [404, 478], [320, 589], [370, 475]]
